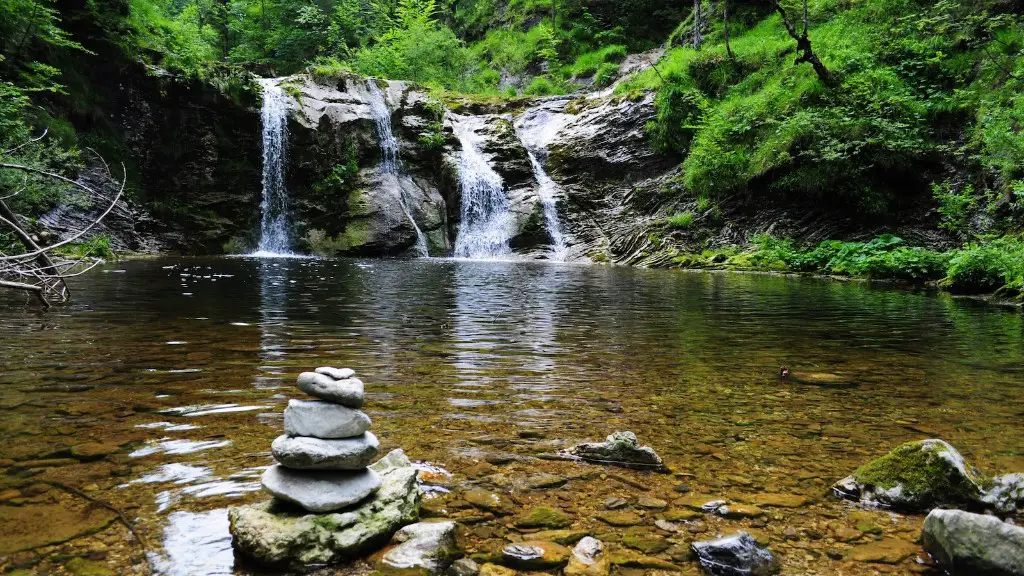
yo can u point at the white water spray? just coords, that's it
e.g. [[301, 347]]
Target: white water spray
[[274, 221], [390, 165], [486, 225]]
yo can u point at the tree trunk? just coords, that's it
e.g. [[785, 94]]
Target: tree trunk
[[803, 44], [554, 16], [725, 29]]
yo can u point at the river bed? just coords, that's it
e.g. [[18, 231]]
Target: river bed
[[160, 387]]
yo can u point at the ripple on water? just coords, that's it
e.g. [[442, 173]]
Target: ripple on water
[[207, 409], [178, 447], [194, 544]]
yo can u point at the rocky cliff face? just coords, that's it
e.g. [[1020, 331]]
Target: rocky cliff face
[[346, 202]]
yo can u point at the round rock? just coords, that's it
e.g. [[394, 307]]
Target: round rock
[[305, 453], [320, 491], [347, 392], [323, 420], [336, 373]]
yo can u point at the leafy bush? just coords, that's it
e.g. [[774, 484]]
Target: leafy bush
[[997, 265], [954, 207], [588, 64], [541, 86]]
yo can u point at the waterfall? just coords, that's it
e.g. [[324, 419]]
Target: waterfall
[[536, 128], [390, 165], [274, 220], [486, 225]]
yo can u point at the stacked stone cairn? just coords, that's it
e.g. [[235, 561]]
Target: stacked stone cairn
[[326, 448]]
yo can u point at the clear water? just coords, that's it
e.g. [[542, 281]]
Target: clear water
[[274, 206], [485, 369], [486, 224], [390, 164]]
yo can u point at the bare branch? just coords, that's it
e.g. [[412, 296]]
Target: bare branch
[[36, 290], [20, 146], [81, 232]]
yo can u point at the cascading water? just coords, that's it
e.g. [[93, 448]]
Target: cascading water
[[486, 226], [536, 128], [274, 221], [390, 165]]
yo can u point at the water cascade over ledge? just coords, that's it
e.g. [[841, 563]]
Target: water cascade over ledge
[[390, 165], [274, 207], [486, 225], [535, 129]]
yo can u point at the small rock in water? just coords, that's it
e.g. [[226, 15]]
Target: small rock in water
[[620, 449], [588, 559], [535, 555], [336, 373], [464, 567], [304, 453], [973, 543], [735, 555], [614, 503], [423, 548], [325, 420], [1006, 494], [914, 477], [544, 517], [320, 491], [348, 392]]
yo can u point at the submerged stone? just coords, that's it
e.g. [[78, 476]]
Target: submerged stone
[[305, 453], [274, 535], [884, 551], [968, 543], [588, 559], [620, 449], [426, 548], [535, 555], [735, 555], [348, 392], [544, 517], [325, 420], [914, 477], [320, 491]]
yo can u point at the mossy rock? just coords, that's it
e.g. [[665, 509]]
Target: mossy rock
[[916, 476], [544, 517]]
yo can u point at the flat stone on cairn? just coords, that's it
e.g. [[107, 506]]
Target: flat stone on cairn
[[326, 448]]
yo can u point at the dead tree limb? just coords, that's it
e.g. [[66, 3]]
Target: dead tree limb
[[803, 43], [39, 269]]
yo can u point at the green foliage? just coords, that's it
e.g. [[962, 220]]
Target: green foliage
[[95, 247], [606, 74], [588, 64], [680, 114], [997, 265], [954, 207], [541, 86], [680, 220]]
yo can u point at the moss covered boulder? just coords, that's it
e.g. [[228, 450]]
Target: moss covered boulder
[[916, 476], [277, 534]]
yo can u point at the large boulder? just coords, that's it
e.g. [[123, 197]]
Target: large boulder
[[974, 544], [916, 476], [620, 449], [277, 534], [425, 548], [736, 555]]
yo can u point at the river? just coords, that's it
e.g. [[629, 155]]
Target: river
[[160, 387]]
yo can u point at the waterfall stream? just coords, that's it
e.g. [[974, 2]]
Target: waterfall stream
[[274, 206], [486, 225], [390, 165], [536, 128]]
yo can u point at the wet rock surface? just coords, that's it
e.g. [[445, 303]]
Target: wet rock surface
[[735, 555], [967, 543], [273, 534], [914, 477], [620, 449], [347, 392], [422, 548]]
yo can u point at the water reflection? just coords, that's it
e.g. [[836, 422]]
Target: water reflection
[[194, 544]]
